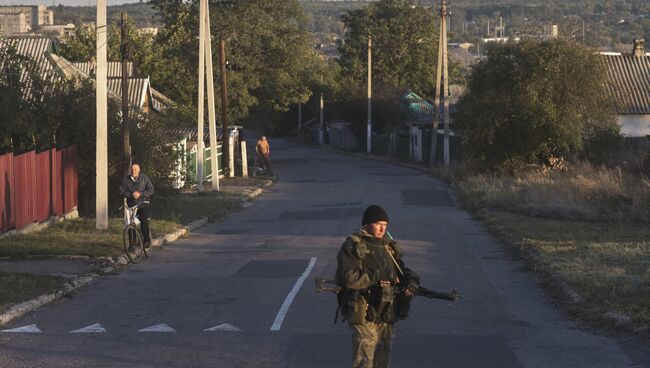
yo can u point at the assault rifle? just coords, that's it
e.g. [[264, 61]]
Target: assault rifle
[[329, 285]]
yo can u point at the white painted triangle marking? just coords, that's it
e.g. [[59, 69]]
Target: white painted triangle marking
[[90, 329], [25, 329], [158, 328], [223, 327]]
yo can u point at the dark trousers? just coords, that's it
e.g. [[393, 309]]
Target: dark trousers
[[143, 216], [265, 162]]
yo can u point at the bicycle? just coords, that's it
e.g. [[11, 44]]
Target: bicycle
[[132, 234]]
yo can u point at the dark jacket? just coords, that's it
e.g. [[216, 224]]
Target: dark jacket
[[362, 262], [141, 184]]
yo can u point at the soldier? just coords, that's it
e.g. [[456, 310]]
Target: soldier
[[376, 289]]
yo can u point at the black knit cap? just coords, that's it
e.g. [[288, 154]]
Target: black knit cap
[[374, 214]]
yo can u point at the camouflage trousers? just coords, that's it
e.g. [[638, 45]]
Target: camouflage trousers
[[372, 344]]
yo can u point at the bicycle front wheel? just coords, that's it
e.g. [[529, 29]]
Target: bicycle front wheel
[[133, 245]]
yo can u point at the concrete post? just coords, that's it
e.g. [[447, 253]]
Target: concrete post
[[369, 135], [101, 149], [211, 109], [244, 160], [201, 100], [231, 157]]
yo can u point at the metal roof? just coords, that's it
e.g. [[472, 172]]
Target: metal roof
[[418, 108], [37, 48], [628, 84], [137, 90], [114, 68]]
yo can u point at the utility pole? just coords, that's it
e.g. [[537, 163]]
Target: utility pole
[[321, 131], [214, 161], [299, 116], [224, 103], [101, 139], [126, 128], [442, 78], [201, 115], [369, 133]]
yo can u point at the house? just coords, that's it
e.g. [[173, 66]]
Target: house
[[418, 119], [628, 84], [24, 18]]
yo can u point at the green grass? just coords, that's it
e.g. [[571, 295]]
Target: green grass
[[18, 287], [79, 236], [607, 264]]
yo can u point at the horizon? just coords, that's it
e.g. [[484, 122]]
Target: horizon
[[50, 3]]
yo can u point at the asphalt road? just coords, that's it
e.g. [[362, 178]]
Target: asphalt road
[[250, 280]]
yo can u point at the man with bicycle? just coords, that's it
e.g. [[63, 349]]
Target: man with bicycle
[[137, 187]]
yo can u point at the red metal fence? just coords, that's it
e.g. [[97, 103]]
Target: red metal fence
[[35, 186]]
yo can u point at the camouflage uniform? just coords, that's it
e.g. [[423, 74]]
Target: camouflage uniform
[[363, 261]]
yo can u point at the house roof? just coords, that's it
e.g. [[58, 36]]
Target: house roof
[[37, 48], [628, 82], [114, 68], [418, 108], [138, 88]]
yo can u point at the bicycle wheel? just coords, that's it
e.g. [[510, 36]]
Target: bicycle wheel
[[133, 246]]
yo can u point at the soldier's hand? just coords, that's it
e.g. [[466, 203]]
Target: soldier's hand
[[409, 292]]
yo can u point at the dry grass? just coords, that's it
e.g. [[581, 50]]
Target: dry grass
[[581, 226], [607, 264], [582, 192]]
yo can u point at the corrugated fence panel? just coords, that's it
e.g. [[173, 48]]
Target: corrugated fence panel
[[70, 180], [6, 191], [43, 185], [25, 188], [57, 183]]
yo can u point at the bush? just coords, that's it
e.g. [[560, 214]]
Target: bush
[[534, 100]]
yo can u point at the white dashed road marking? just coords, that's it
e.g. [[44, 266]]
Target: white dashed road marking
[[25, 329], [158, 328], [96, 328], [279, 318], [223, 327]]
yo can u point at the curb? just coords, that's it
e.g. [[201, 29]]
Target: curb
[[70, 287], [121, 261]]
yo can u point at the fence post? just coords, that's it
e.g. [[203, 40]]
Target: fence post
[[231, 157], [244, 160]]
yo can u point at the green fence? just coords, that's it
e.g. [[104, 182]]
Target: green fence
[[207, 163]]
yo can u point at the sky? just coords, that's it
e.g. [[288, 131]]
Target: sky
[[64, 2]]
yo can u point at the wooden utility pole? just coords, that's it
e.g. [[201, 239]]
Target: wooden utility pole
[[224, 103], [442, 77], [212, 119], [369, 133], [299, 116], [321, 131], [101, 138], [201, 100], [126, 128]]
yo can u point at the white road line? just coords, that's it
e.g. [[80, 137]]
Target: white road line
[[25, 329], [279, 318], [223, 327], [96, 328], [158, 328]]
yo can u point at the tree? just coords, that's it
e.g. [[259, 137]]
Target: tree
[[270, 60], [531, 101], [405, 44]]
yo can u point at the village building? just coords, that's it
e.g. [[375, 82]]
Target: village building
[[628, 84], [23, 19]]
